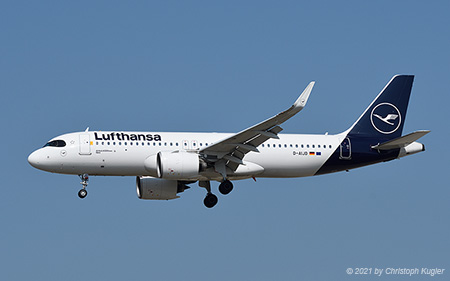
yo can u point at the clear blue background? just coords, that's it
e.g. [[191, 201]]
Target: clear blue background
[[220, 66]]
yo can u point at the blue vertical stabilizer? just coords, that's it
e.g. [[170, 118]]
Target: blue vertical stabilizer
[[385, 117]]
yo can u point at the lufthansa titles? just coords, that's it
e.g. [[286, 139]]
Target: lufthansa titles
[[127, 137]]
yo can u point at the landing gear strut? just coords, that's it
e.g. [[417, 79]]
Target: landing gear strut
[[84, 182]]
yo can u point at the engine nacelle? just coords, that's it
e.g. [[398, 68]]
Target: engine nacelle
[[173, 165], [158, 189]]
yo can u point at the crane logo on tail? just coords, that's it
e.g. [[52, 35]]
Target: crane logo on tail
[[387, 118]]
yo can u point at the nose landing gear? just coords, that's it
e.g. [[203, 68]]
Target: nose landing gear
[[82, 193], [84, 182]]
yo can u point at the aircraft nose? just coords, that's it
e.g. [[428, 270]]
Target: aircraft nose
[[34, 159]]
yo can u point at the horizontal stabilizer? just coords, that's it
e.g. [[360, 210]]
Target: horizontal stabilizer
[[401, 141]]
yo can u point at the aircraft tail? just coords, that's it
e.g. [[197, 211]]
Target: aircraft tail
[[385, 116]]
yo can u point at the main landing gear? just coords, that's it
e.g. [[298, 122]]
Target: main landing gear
[[84, 182], [211, 200], [225, 187]]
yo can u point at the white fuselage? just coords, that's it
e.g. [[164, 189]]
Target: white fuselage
[[124, 153]]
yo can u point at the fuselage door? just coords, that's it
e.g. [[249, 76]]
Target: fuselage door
[[85, 144], [346, 149]]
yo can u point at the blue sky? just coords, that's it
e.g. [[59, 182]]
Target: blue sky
[[220, 66]]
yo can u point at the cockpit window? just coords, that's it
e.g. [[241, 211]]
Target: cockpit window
[[56, 143]]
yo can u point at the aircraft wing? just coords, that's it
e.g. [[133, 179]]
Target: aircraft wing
[[234, 148]]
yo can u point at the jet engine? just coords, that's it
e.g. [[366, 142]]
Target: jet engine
[[158, 189], [180, 165]]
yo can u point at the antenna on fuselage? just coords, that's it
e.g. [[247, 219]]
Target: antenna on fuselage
[[87, 129]]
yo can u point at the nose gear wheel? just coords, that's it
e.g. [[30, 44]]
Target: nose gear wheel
[[84, 182]]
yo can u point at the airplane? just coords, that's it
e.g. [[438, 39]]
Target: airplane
[[166, 163]]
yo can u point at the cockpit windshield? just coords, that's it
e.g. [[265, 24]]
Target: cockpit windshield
[[56, 143]]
